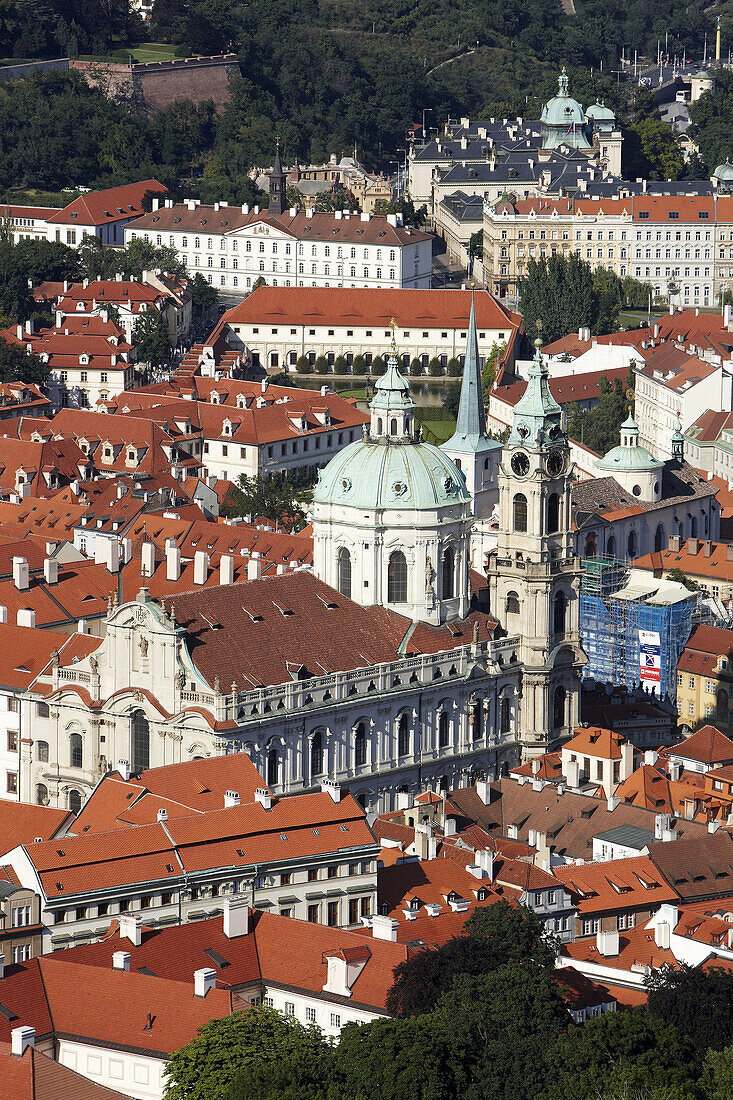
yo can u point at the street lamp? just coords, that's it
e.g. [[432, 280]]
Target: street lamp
[[426, 111]]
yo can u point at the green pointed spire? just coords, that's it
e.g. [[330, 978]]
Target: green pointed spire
[[470, 435]]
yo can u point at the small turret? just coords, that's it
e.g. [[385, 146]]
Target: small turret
[[678, 442]]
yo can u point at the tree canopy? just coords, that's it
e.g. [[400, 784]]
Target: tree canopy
[[599, 427], [275, 498]]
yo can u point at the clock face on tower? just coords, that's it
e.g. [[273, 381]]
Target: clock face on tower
[[555, 463], [520, 464]]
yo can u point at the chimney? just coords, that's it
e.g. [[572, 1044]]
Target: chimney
[[264, 797], [20, 1039], [449, 826], [200, 567], [26, 617], [476, 870], [21, 578], [627, 760], [675, 770], [162, 814], [331, 787], [607, 944], [226, 569], [236, 916], [113, 557], [126, 550], [483, 790], [484, 858], [203, 981], [130, 928], [121, 960], [662, 935], [51, 570], [173, 563], [231, 798], [384, 928], [254, 569], [611, 803], [123, 767], [148, 559]]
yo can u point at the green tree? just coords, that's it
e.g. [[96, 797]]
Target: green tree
[[259, 281], [476, 244], [454, 368], [18, 365], [203, 295], [405, 207], [699, 1003], [420, 981], [303, 365], [378, 366], [599, 427], [252, 1040], [515, 930], [559, 294], [340, 365], [717, 1077], [680, 577], [321, 365], [16, 303], [272, 497], [488, 374], [651, 150], [150, 333], [710, 116], [358, 366], [607, 293], [395, 1059], [632, 1051], [434, 367], [415, 367]]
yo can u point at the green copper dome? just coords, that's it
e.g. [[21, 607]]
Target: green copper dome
[[563, 119], [724, 172], [377, 474], [599, 112]]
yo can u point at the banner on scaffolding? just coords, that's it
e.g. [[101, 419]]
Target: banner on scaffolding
[[650, 659]]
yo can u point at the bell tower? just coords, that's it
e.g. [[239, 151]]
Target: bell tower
[[278, 187], [534, 576]]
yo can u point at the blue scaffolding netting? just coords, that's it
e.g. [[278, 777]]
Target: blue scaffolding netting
[[610, 622]]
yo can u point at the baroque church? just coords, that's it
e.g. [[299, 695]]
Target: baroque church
[[393, 666]]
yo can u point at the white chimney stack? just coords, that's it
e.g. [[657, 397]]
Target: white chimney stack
[[607, 944], [162, 814], [236, 916], [203, 981], [51, 570], [331, 787], [26, 616], [148, 559], [483, 790], [130, 928], [20, 1039], [113, 557], [384, 928], [226, 569], [264, 797], [172, 563], [123, 767], [121, 960], [662, 935], [231, 798], [21, 578], [200, 567], [254, 569]]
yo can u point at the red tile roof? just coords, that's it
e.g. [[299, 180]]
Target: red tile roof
[[22, 822], [707, 745], [566, 388], [621, 884], [365, 307], [36, 1076], [596, 741], [104, 207]]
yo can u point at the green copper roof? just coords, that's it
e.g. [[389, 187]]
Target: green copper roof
[[724, 171], [600, 113], [470, 435], [563, 119], [378, 474], [537, 420], [392, 391], [628, 459]]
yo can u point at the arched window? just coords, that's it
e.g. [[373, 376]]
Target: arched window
[[632, 544], [41, 794], [558, 613], [512, 603], [344, 572], [558, 709], [397, 578], [553, 513], [505, 715], [659, 539], [477, 722], [443, 730], [42, 751], [611, 547], [448, 573], [359, 746], [75, 750], [316, 754], [693, 527], [590, 546], [520, 512], [140, 742], [272, 768], [74, 802], [393, 427], [379, 425], [403, 736]]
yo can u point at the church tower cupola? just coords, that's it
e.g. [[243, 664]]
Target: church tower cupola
[[678, 442], [392, 407], [537, 420]]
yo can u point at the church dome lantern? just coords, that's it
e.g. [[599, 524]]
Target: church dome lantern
[[563, 119]]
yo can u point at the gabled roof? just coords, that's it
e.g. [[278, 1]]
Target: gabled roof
[[110, 205], [596, 741], [707, 745], [698, 867], [621, 884], [22, 822]]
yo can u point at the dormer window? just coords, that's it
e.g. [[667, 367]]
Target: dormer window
[[131, 454], [227, 427], [107, 454], [214, 397], [84, 360]]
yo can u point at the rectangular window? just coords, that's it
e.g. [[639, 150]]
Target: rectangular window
[[11, 782], [313, 914], [12, 741], [310, 1015], [353, 910], [333, 914], [335, 1019], [366, 907], [312, 874], [286, 878], [333, 871], [289, 1008]]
